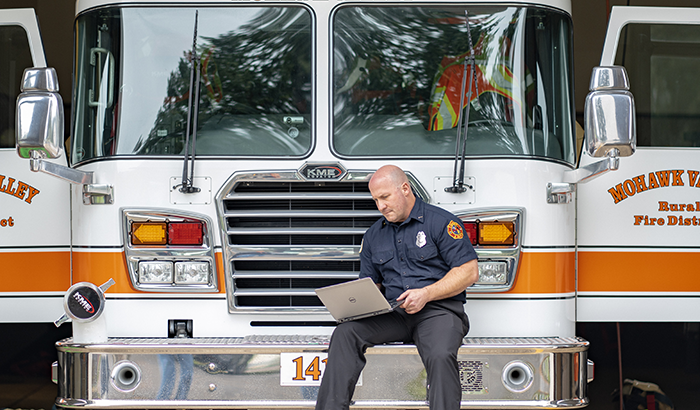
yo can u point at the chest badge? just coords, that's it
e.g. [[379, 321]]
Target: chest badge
[[420, 239]]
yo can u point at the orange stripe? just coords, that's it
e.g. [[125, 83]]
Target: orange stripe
[[546, 272], [638, 272], [35, 271], [220, 269], [99, 267]]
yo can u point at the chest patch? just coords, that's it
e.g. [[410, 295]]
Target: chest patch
[[455, 230], [420, 239]]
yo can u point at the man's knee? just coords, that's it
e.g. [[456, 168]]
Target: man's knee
[[346, 332], [440, 357]]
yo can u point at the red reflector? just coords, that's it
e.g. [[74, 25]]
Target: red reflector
[[185, 233], [470, 227]]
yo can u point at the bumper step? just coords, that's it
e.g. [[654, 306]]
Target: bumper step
[[283, 371]]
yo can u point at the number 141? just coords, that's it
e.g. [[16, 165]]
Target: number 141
[[313, 369], [302, 369]]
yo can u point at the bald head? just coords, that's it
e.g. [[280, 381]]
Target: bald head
[[392, 193], [389, 174]]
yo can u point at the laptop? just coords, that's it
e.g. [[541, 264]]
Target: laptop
[[355, 299]]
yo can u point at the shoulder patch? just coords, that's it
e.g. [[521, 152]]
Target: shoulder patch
[[455, 230]]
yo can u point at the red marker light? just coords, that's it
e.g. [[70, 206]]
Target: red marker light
[[185, 233], [471, 229]]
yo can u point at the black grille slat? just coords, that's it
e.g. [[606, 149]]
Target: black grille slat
[[338, 240], [309, 204], [285, 283], [297, 265], [308, 222], [278, 301], [279, 218], [312, 187]]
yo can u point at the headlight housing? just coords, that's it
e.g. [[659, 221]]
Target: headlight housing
[[169, 251], [496, 236]]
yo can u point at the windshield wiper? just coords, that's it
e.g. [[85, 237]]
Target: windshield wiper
[[187, 184], [458, 185]]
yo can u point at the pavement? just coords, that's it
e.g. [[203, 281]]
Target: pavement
[[28, 394]]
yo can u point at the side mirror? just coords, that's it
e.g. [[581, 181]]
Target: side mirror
[[610, 131], [609, 114], [39, 115], [39, 132]]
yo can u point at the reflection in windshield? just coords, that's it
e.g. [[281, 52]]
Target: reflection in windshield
[[398, 74], [133, 81]]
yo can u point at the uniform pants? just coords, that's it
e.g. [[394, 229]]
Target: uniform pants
[[437, 331]]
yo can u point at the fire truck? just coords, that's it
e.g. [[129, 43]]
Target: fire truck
[[217, 168]]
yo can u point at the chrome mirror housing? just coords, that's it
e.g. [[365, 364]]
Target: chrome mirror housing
[[609, 114], [39, 115]]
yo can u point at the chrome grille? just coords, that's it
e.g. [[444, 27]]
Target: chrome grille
[[288, 236]]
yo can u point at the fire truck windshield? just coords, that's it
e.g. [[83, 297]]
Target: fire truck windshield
[[397, 76], [132, 81]]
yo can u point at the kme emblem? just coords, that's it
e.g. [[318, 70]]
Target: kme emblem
[[323, 172], [420, 239]]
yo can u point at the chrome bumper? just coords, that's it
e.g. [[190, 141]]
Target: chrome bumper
[[245, 373]]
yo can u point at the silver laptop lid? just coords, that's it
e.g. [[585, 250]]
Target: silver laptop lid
[[353, 299]]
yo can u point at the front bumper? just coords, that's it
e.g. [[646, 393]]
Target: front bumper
[[254, 373]]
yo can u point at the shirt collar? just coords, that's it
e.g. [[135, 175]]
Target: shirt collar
[[417, 213]]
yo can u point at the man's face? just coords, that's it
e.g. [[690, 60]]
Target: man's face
[[392, 201]]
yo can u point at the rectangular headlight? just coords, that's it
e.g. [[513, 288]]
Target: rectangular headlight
[[155, 272], [189, 273], [493, 273]]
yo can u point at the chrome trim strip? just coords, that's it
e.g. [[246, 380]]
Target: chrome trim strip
[[296, 231], [292, 195], [287, 252], [274, 292], [295, 274], [267, 343], [307, 404], [304, 213]]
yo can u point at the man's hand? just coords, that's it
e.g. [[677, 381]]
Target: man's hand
[[454, 282], [414, 300]]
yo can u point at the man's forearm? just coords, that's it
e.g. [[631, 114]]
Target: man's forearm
[[455, 281]]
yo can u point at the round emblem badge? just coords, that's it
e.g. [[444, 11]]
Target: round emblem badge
[[455, 230], [84, 302]]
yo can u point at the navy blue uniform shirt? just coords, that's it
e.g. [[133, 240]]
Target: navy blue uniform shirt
[[415, 253]]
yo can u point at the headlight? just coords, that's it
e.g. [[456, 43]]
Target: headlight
[[155, 272], [191, 273], [493, 273]]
